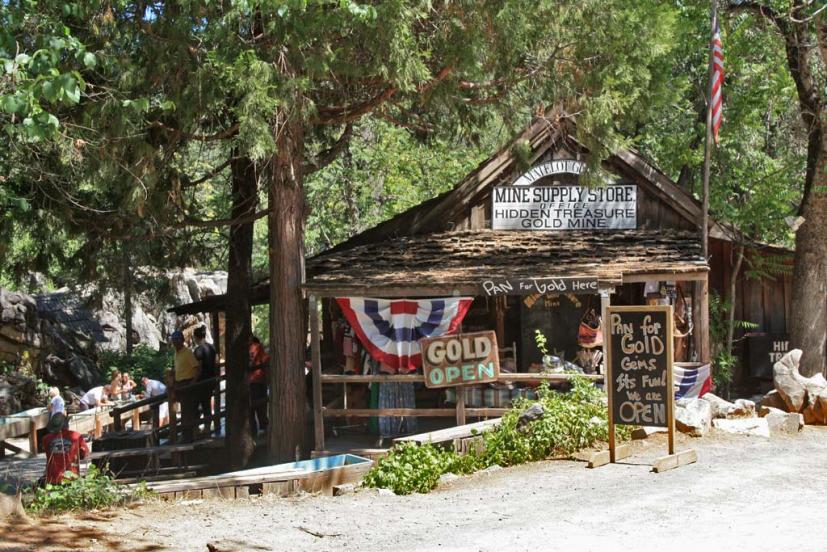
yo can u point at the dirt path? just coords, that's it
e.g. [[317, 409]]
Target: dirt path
[[745, 492]]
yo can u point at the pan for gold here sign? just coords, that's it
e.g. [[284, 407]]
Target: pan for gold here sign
[[460, 359], [640, 363]]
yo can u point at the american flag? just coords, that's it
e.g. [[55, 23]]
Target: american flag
[[717, 101]]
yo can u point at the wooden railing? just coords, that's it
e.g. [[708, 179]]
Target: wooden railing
[[154, 404], [460, 411]]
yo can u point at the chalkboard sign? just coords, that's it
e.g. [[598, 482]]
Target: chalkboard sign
[[639, 357], [529, 286], [763, 350]]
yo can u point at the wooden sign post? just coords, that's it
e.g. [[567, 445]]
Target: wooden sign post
[[640, 385]]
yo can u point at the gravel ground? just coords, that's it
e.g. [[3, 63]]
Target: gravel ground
[[746, 492]]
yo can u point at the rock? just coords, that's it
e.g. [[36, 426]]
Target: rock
[[645, 431], [693, 416], [720, 407], [345, 488], [788, 382], [446, 478], [784, 422], [773, 400], [535, 412], [492, 469], [764, 411], [744, 426], [85, 372], [742, 408], [385, 492]]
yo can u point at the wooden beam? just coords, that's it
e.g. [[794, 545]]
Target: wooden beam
[[661, 276], [605, 303], [33, 435], [603, 457], [672, 461], [522, 377], [316, 361], [419, 412], [702, 321]]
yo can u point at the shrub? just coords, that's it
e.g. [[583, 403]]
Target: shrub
[[91, 491], [573, 421], [144, 361]]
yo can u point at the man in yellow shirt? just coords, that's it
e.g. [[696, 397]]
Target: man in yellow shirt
[[187, 371]]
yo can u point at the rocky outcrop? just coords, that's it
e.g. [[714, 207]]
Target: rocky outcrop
[[798, 394], [60, 334]]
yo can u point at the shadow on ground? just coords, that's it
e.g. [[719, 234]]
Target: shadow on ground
[[45, 533]]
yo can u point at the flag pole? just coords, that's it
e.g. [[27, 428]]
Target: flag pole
[[708, 142]]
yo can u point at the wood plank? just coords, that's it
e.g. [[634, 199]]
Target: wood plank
[[672, 461], [342, 378], [369, 412], [316, 361], [603, 457], [698, 275], [451, 433]]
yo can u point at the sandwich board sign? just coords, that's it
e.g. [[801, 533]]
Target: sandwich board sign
[[460, 359], [638, 351]]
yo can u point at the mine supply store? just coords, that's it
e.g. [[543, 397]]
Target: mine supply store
[[463, 304]]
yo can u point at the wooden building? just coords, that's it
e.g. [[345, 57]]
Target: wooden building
[[518, 220]]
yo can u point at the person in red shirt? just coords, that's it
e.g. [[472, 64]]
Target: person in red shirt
[[257, 378], [64, 449]]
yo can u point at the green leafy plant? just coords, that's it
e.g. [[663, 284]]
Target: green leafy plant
[[541, 341], [91, 491], [144, 361], [573, 420]]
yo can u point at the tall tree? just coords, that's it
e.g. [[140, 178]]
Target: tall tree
[[803, 26]]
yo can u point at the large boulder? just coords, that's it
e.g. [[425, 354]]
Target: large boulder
[[744, 426], [693, 416], [788, 382], [772, 399], [720, 407]]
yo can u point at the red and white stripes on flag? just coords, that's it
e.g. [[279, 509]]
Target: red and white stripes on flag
[[391, 329], [691, 381], [717, 101]]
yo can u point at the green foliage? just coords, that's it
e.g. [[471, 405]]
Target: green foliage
[[410, 468], [92, 491], [573, 421], [144, 361], [541, 341]]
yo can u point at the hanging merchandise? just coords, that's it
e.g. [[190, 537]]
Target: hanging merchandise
[[391, 329], [590, 332], [682, 316]]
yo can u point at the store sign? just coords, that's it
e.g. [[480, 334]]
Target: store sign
[[519, 207], [639, 359], [561, 166], [460, 359], [530, 286], [763, 351]]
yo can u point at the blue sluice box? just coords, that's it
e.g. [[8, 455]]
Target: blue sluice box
[[305, 467]]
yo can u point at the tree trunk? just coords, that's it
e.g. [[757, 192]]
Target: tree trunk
[[733, 286], [808, 327], [127, 298], [287, 320], [238, 324]]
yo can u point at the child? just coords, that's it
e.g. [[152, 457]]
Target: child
[[56, 404]]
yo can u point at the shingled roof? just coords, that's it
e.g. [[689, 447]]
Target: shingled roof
[[462, 260]]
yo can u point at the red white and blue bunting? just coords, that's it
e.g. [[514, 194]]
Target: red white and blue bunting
[[691, 382], [391, 329]]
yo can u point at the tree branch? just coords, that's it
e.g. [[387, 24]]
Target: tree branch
[[226, 133], [195, 223], [329, 155], [217, 170]]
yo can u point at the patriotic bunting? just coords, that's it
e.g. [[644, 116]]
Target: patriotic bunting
[[391, 329], [717, 101], [691, 382]]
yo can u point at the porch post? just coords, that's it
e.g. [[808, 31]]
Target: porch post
[[605, 302], [702, 319], [316, 360]]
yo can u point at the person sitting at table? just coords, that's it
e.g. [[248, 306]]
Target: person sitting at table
[[97, 396], [154, 388], [127, 385], [115, 384], [56, 404]]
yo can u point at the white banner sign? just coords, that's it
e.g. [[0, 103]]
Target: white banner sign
[[612, 207]]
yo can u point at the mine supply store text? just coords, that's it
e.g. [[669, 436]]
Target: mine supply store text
[[460, 359], [612, 207]]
